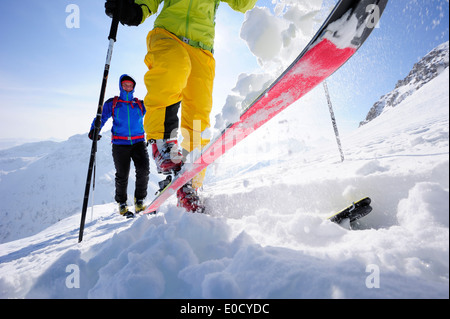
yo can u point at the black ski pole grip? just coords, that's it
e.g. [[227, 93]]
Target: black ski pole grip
[[115, 21]]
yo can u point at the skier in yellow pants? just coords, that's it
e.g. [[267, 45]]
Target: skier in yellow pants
[[177, 72], [181, 70]]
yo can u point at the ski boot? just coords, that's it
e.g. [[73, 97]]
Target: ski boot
[[189, 199], [123, 210], [167, 156], [139, 205]]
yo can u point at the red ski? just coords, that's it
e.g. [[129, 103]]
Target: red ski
[[342, 34]]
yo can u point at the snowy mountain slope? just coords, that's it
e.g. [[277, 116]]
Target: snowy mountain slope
[[52, 178], [430, 66], [267, 234], [18, 157], [8, 143]]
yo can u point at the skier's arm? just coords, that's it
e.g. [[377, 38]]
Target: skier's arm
[[241, 5], [148, 7], [106, 114]]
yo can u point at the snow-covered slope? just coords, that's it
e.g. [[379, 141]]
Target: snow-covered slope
[[43, 182], [267, 235], [429, 67], [43, 186]]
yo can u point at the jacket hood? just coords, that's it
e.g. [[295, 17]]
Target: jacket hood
[[124, 95]]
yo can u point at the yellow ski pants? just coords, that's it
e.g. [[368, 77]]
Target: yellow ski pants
[[178, 72]]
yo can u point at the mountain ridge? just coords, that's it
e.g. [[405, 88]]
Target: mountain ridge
[[428, 68]]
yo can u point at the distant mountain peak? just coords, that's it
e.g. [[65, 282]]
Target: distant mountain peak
[[429, 67]]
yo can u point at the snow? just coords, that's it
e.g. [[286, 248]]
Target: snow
[[344, 30], [259, 22], [296, 23], [267, 233]]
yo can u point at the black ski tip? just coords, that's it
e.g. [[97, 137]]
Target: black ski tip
[[360, 213], [364, 201], [357, 210]]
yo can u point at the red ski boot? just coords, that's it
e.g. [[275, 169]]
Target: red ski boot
[[189, 200], [167, 156]]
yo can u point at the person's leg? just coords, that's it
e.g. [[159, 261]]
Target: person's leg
[[169, 67], [140, 158], [121, 157], [197, 103]]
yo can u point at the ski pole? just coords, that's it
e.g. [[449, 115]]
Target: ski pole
[[112, 39], [333, 120], [93, 190]]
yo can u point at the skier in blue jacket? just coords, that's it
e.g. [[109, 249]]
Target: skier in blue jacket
[[128, 143]]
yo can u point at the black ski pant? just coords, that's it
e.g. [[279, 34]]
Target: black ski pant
[[122, 155]]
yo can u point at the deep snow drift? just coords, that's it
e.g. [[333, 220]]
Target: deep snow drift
[[267, 235]]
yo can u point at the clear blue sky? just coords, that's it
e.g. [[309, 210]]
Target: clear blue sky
[[50, 75]]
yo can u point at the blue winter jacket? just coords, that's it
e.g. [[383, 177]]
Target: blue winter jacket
[[128, 120]]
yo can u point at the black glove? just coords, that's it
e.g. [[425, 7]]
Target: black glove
[[91, 135], [130, 12]]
